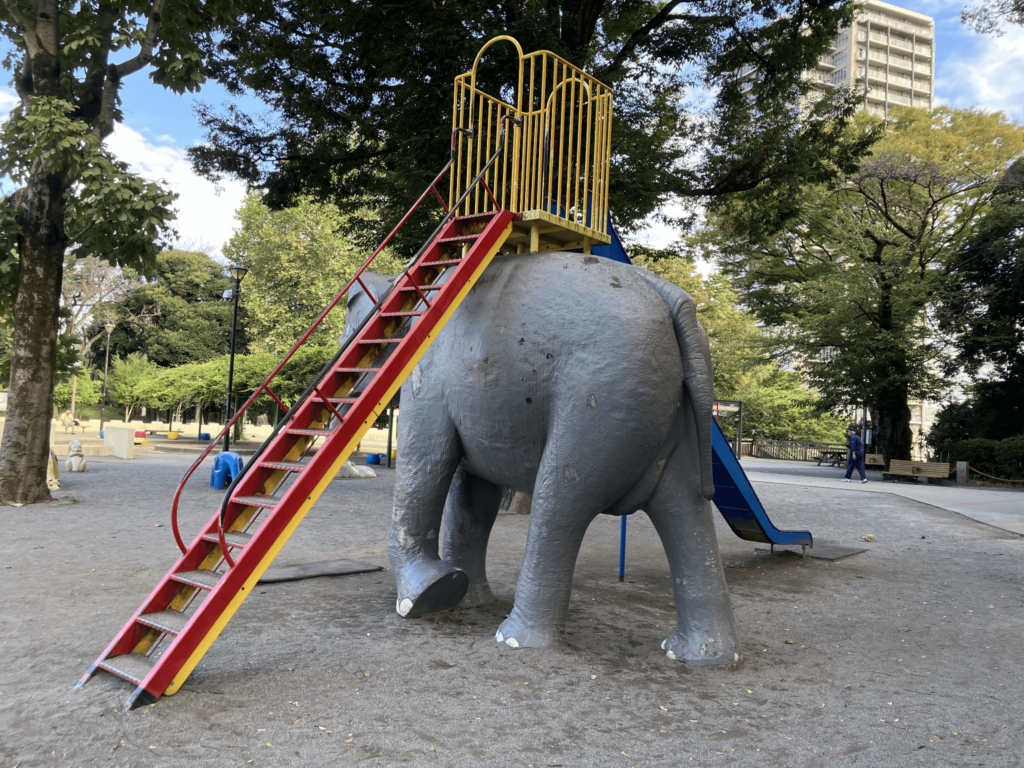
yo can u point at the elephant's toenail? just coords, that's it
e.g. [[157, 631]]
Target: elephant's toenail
[[499, 637], [671, 655], [404, 607], [703, 649], [735, 657], [512, 643], [663, 642]]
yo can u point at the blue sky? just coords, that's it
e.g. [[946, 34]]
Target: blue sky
[[971, 70]]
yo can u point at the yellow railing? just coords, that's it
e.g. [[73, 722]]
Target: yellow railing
[[555, 165]]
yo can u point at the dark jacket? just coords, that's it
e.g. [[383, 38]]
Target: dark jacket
[[856, 445]]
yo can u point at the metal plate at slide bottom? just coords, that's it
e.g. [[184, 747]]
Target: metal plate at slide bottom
[[821, 551]]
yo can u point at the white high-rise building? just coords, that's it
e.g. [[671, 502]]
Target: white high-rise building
[[892, 51]]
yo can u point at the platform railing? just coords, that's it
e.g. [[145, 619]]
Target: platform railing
[[558, 162]]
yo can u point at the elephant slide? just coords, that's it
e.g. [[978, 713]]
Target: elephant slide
[[586, 383]]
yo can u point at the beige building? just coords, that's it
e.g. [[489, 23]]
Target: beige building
[[889, 49]]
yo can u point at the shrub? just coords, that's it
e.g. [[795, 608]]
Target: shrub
[[999, 458]]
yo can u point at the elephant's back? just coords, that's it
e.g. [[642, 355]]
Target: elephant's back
[[557, 341], [572, 305]]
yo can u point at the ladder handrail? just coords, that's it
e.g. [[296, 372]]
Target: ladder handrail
[[448, 216], [316, 323], [264, 386]]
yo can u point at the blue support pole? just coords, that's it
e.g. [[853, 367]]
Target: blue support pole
[[622, 552]]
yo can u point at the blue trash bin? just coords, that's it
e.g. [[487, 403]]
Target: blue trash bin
[[373, 458], [204, 435], [226, 467]]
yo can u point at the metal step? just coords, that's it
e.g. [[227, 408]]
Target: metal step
[[311, 432], [335, 400], [486, 215], [446, 263], [171, 622], [397, 340], [458, 239], [291, 466], [422, 287], [202, 579], [267, 502], [400, 314], [131, 666], [371, 370], [233, 538]]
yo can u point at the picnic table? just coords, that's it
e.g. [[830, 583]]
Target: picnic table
[[834, 457]]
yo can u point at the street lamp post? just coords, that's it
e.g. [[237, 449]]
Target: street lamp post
[[106, 365], [237, 272]]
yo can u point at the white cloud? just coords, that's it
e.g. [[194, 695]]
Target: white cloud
[[8, 100], [205, 211], [987, 76]]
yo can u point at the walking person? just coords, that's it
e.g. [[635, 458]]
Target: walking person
[[855, 456]]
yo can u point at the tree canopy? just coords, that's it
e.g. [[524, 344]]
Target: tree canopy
[[776, 403], [361, 96], [847, 283], [983, 310], [297, 261], [988, 17], [130, 381], [177, 316]]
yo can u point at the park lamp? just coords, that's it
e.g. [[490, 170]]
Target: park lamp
[[238, 272], [108, 327]]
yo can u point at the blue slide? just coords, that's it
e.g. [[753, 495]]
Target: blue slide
[[736, 500]]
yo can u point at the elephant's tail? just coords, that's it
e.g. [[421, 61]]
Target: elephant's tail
[[697, 370]]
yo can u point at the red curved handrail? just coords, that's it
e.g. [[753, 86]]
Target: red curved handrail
[[355, 278], [266, 382]]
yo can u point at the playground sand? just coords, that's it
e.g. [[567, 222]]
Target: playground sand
[[906, 655]]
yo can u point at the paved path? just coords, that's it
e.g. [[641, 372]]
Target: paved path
[[1001, 508]]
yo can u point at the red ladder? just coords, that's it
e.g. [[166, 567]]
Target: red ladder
[[171, 631]]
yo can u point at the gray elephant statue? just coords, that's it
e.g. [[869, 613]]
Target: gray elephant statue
[[586, 383]]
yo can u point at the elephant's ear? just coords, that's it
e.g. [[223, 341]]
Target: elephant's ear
[[699, 377]]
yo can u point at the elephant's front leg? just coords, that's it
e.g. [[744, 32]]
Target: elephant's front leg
[[469, 516], [706, 633], [429, 447]]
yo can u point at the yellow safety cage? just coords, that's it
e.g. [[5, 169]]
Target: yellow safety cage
[[554, 171]]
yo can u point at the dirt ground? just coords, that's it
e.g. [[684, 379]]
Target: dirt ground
[[909, 654]]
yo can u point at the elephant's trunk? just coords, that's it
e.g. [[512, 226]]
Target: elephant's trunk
[[697, 369]]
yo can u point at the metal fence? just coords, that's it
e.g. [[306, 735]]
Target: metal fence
[[788, 450]]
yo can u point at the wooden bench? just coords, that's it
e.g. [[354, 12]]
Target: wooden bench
[[934, 469], [873, 460]]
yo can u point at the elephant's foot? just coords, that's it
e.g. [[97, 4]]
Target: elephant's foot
[[429, 587], [516, 633], [703, 651]]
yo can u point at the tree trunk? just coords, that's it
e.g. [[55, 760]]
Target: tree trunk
[[893, 426], [26, 439], [893, 432]]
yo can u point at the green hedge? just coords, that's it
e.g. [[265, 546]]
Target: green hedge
[[1000, 458]]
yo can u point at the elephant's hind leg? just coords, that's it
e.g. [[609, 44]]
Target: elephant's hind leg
[[469, 515], [572, 488], [430, 451], [706, 633]]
